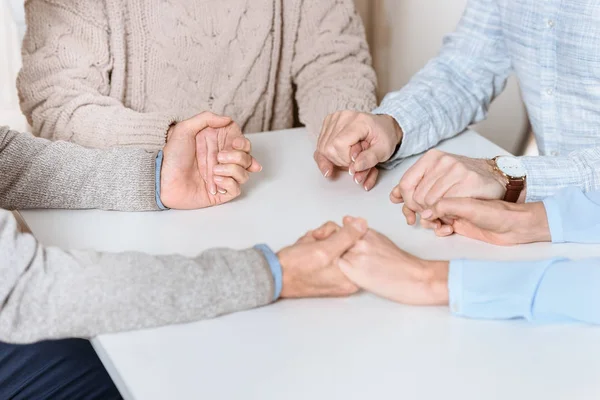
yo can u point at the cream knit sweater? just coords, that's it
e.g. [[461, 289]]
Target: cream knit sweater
[[108, 73]]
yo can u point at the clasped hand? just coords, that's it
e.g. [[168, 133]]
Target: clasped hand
[[206, 160]]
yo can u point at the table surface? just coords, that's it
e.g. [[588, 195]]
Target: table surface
[[355, 348]]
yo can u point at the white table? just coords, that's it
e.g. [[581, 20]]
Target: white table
[[356, 348]]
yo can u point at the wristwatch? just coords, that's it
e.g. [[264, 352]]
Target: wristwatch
[[513, 170]]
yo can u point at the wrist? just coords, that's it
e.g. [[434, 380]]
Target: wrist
[[288, 287], [500, 177], [535, 227], [437, 281]]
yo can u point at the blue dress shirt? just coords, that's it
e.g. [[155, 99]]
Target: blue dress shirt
[[556, 290], [552, 48]]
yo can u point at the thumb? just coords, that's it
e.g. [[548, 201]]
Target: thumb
[[454, 208], [206, 120], [366, 160], [344, 239]]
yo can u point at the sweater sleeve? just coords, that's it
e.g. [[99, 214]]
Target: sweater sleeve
[[64, 84], [37, 173], [332, 64], [48, 293]]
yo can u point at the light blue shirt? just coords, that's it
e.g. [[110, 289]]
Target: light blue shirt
[[553, 48], [557, 290]]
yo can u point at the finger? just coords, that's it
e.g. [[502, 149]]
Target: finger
[[211, 160], [345, 238], [328, 131], [441, 188], [444, 231], [371, 179], [338, 148], [366, 159], [355, 151], [326, 230], [307, 238], [235, 157], [455, 208], [201, 157], [410, 215], [430, 179], [205, 120], [396, 195], [242, 144], [324, 130], [325, 166], [433, 225], [413, 176], [228, 188], [255, 166], [234, 171], [360, 177]]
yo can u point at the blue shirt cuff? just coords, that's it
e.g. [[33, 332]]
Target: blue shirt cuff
[[555, 222], [275, 266], [495, 289], [159, 160]]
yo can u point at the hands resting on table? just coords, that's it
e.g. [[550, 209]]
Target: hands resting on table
[[337, 261], [359, 142], [207, 159]]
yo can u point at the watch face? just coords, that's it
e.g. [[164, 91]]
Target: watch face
[[511, 166]]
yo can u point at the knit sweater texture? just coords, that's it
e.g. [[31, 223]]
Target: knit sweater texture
[[106, 73], [51, 293]]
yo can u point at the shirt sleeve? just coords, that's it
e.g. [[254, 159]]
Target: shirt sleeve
[[574, 216], [275, 267], [456, 88], [548, 175], [47, 293], [550, 291], [38, 173]]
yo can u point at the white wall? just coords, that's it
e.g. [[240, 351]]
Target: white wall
[[10, 42], [405, 34]]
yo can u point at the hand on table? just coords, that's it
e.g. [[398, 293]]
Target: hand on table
[[215, 150], [492, 221], [357, 142], [440, 175], [377, 265], [189, 169], [310, 266]]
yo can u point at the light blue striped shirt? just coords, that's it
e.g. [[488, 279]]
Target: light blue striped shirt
[[553, 47], [556, 290]]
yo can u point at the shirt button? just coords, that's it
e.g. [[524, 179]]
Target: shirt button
[[554, 153], [550, 92], [550, 23]]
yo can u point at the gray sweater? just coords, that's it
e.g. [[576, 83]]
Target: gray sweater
[[49, 293]]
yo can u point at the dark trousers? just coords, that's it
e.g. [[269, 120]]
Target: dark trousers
[[63, 369]]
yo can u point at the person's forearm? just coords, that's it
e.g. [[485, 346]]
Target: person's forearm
[[456, 88], [37, 173], [48, 293], [543, 291]]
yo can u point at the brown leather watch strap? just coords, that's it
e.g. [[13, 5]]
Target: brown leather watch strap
[[514, 189]]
